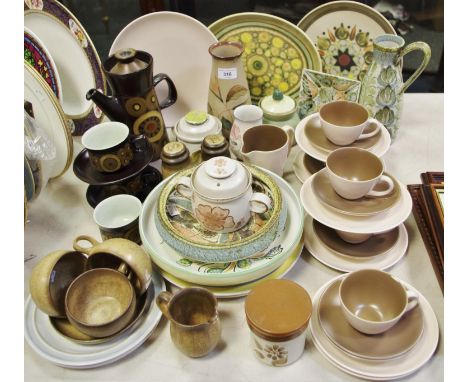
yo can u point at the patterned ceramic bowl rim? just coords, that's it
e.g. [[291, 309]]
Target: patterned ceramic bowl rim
[[257, 173]]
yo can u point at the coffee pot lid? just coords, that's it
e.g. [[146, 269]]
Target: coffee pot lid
[[127, 62]]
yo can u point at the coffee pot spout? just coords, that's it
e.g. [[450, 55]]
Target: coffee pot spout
[[109, 105]]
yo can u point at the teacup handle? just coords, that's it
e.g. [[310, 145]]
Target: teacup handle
[[413, 300], [162, 301], [290, 132], [139, 142], [389, 181], [87, 238], [372, 121], [184, 186], [260, 203]]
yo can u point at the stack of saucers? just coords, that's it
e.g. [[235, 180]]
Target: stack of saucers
[[349, 233], [228, 264], [395, 353]]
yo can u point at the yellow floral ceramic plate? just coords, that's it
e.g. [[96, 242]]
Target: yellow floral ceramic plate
[[275, 52]]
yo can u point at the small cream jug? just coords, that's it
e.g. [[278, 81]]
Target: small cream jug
[[245, 117], [222, 195]]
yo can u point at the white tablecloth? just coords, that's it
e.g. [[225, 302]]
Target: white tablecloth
[[61, 213]]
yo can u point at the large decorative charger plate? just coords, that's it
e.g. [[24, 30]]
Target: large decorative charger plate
[[357, 224], [49, 116], [48, 343], [37, 55], [242, 289], [343, 32], [179, 228], [179, 46], [228, 273], [78, 63], [275, 52], [384, 369]]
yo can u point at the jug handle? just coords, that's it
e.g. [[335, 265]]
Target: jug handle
[[162, 301], [290, 133], [172, 95], [418, 45], [87, 238]]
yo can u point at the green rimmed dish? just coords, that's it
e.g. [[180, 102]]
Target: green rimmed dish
[[180, 229], [229, 273], [275, 51]]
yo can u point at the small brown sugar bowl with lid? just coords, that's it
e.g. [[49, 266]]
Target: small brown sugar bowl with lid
[[278, 312]]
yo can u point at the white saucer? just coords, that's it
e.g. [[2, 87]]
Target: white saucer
[[304, 166], [381, 370], [383, 221], [54, 347], [379, 149], [347, 263]]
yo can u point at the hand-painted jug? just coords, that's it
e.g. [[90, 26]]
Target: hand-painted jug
[[383, 87], [134, 102]]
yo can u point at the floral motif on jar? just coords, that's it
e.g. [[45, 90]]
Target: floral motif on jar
[[276, 355]]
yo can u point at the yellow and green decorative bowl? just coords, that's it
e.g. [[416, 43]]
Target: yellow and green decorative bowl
[[180, 229]]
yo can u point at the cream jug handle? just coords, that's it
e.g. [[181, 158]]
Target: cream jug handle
[[87, 238], [184, 186], [162, 301], [418, 45], [290, 132], [260, 203]]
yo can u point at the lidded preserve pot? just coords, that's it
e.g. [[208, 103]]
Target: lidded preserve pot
[[278, 313]]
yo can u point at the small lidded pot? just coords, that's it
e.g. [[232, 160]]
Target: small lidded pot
[[215, 145], [174, 157], [278, 313], [194, 126], [222, 195]]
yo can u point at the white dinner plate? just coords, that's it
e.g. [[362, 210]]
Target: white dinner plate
[[54, 347], [379, 149], [387, 369], [341, 263], [179, 46], [49, 116], [381, 222], [78, 63], [223, 274]]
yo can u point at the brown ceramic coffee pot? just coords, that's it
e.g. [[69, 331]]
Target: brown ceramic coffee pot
[[134, 102]]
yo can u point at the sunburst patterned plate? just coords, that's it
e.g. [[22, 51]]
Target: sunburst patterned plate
[[275, 52], [343, 32]]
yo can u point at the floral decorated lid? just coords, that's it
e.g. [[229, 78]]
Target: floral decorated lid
[[195, 125], [278, 106], [278, 309], [221, 178]]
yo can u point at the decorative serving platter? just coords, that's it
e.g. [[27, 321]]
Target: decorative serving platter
[[179, 46], [73, 52], [37, 55], [228, 273], [51, 345], [49, 116], [343, 32], [377, 369], [275, 51]]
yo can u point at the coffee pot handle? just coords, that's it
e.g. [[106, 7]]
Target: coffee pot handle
[[172, 95], [418, 45]]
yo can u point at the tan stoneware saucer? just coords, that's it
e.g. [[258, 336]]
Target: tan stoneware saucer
[[392, 343], [364, 206], [314, 133], [377, 244], [304, 166], [66, 329]]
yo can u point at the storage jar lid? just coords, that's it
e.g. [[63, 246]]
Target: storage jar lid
[[196, 125], [174, 153], [221, 178], [278, 105], [278, 309]]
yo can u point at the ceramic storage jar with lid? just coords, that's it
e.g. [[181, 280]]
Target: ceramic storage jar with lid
[[278, 312], [194, 126]]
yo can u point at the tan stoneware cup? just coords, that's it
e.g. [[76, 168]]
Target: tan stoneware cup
[[127, 251], [372, 301], [100, 302], [51, 277], [343, 122], [354, 172], [195, 325]]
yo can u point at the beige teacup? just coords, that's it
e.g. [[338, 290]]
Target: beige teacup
[[373, 301], [343, 122], [267, 146], [354, 172]]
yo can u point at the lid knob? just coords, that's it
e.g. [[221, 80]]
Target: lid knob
[[277, 95], [220, 167], [125, 55]]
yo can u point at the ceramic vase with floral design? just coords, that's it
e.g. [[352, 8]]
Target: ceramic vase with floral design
[[383, 87], [228, 83]]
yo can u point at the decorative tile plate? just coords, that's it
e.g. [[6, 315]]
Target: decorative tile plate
[[275, 52], [343, 32]]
